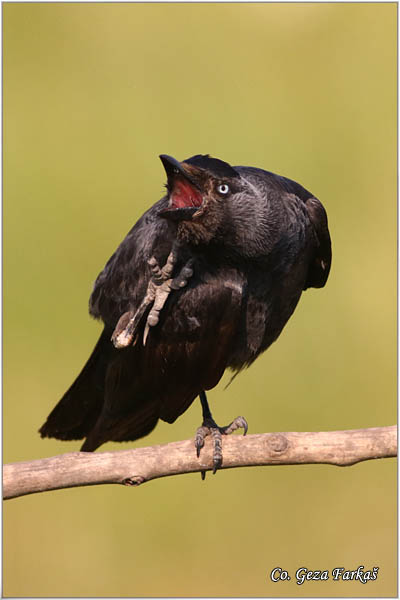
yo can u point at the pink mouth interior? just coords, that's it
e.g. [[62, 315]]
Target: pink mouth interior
[[184, 195]]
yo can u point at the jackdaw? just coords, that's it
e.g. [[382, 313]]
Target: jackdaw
[[206, 280]]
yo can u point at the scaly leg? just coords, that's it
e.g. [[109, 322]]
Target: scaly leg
[[160, 286], [209, 427], [164, 284]]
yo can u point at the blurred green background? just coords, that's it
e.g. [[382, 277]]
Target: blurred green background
[[93, 93]]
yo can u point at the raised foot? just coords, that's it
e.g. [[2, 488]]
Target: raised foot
[[160, 286], [209, 427]]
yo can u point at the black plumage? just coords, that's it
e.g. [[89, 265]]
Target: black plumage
[[241, 244]]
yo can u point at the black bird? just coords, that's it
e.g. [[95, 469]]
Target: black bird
[[206, 280]]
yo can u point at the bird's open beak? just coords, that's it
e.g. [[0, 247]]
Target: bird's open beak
[[185, 196]]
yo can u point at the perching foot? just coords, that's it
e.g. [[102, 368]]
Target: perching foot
[[160, 286], [209, 427]]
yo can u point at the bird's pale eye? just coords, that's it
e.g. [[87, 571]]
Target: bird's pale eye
[[223, 189]]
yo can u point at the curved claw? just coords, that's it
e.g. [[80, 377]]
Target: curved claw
[[238, 423], [244, 425], [159, 288], [201, 434], [217, 464], [209, 427], [127, 325]]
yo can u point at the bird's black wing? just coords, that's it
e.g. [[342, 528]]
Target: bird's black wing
[[319, 268], [79, 408], [321, 263], [121, 393], [186, 353], [121, 285]]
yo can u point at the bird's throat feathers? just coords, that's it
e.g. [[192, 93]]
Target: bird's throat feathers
[[204, 225]]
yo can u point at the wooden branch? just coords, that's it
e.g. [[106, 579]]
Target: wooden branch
[[133, 467]]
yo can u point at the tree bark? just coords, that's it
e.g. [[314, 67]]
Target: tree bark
[[134, 467]]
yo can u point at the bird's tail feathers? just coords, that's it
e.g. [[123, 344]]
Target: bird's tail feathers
[[141, 421], [77, 411]]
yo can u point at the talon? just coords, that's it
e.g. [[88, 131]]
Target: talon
[[121, 336], [201, 434], [187, 272], [152, 320], [198, 449], [125, 330], [146, 333], [157, 293], [238, 423], [217, 461], [209, 427]]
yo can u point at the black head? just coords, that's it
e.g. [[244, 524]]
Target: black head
[[214, 166], [192, 181], [211, 201]]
